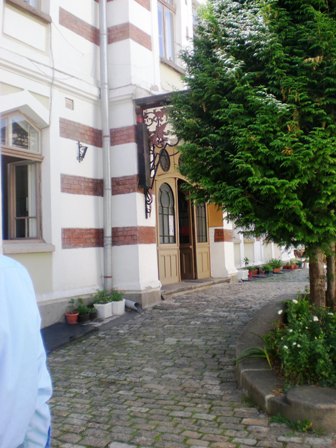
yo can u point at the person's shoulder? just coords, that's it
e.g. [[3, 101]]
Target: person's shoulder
[[9, 263]]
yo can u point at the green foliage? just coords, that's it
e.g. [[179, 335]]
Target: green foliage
[[82, 308], [116, 296], [255, 352], [72, 308], [104, 296], [275, 263], [267, 268], [259, 116], [295, 425], [304, 346]]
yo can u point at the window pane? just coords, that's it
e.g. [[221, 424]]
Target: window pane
[[161, 30], [23, 135], [3, 131], [33, 3], [166, 215], [25, 201], [169, 29]]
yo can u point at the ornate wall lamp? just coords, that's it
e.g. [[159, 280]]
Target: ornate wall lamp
[[81, 152], [153, 140]]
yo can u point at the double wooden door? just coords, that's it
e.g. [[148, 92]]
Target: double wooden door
[[182, 234]]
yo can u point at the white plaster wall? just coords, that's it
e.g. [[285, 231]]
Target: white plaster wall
[[122, 111], [87, 10], [78, 269], [19, 35], [124, 160], [118, 11], [129, 210], [134, 268], [74, 55], [81, 211], [222, 257], [119, 56]]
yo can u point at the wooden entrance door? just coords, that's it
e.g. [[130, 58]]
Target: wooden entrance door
[[202, 248], [186, 235], [168, 251]]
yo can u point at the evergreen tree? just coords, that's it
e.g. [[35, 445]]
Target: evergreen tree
[[258, 120]]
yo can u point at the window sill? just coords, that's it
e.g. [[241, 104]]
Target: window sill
[[26, 247], [21, 4], [172, 65]]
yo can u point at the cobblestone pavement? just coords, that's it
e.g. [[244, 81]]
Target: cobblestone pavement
[[165, 379]]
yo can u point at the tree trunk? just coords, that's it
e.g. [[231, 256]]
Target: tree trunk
[[317, 277], [331, 278]]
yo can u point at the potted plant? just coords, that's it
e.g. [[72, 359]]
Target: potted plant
[[102, 303], [71, 315], [253, 271], [83, 311], [276, 265], [267, 268], [92, 312], [118, 303]]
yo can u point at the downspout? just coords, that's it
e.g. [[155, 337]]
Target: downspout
[[104, 93]]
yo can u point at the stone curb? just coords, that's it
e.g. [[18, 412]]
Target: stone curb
[[260, 383]]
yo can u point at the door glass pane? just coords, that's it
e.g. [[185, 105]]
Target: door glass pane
[[202, 234], [184, 219], [166, 215]]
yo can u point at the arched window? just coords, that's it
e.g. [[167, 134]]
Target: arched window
[[20, 164], [167, 234]]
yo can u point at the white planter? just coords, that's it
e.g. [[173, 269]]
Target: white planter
[[118, 308], [104, 310]]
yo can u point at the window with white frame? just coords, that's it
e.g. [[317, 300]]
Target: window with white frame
[[20, 163], [166, 18]]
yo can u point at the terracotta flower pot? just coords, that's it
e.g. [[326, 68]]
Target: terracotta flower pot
[[71, 318]]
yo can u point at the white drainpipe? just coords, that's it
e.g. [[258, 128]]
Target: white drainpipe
[[104, 92]]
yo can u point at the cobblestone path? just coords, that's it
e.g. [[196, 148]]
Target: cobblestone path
[[165, 378]]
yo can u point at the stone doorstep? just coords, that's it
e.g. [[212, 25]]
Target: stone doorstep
[[260, 383]]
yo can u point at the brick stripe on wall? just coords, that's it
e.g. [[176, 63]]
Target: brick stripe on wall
[[81, 238], [77, 131], [79, 26], [125, 185], [129, 31], [122, 236], [222, 235], [144, 3], [81, 185], [120, 136]]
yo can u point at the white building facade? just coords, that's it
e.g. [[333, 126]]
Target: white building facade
[[73, 230]]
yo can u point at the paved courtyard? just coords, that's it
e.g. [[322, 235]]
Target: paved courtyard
[[165, 378]]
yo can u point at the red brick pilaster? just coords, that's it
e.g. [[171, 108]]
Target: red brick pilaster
[[125, 31], [82, 238], [120, 136], [81, 185], [77, 131], [122, 236], [144, 3], [125, 185], [223, 235], [79, 26]]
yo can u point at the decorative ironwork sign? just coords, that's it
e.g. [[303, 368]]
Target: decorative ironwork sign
[[153, 137]]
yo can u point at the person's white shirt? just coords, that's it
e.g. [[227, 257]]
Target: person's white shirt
[[25, 385]]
